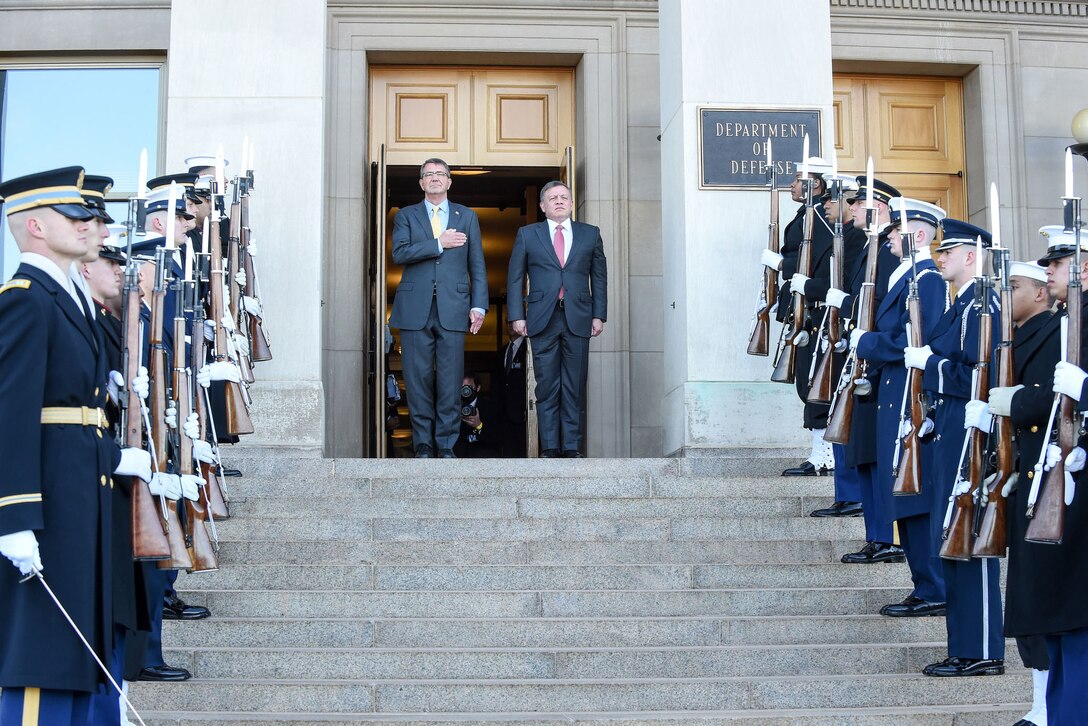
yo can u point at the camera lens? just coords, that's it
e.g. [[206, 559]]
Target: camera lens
[[468, 410], [467, 392]]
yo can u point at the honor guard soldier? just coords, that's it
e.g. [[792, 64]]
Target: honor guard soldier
[[56, 488], [1036, 350], [883, 349], [976, 643], [859, 452], [821, 460], [1048, 583]]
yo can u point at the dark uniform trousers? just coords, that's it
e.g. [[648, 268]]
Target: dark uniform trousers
[[434, 402], [973, 615], [883, 348]]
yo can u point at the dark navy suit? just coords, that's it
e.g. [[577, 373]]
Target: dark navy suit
[[431, 307], [883, 348], [57, 481], [973, 588]]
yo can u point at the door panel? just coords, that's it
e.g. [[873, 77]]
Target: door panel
[[376, 380]]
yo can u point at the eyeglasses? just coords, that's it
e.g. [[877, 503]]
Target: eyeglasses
[[442, 174]]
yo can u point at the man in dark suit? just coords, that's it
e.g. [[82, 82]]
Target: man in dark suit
[[441, 295], [566, 306]]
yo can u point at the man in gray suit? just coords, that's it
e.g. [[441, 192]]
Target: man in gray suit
[[442, 293], [567, 304]]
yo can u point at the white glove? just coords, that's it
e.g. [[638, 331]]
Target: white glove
[[134, 462], [190, 486], [251, 248], [114, 383], [1010, 485], [1001, 400], [917, 357], [798, 282], [905, 427], [240, 278], [1069, 379], [835, 298], [927, 428], [1074, 462], [252, 306], [227, 322], [165, 485], [218, 371], [141, 384], [962, 486], [977, 416], [22, 549], [1053, 456], [243, 345], [191, 427], [1070, 488], [209, 330], [171, 415], [770, 259], [203, 452], [855, 338]]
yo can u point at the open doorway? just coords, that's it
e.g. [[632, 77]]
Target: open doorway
[[505, 199]]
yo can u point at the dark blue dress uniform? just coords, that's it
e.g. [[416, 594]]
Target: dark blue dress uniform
[[57, 481], [1036, 350], [973, 588], [883, 348]]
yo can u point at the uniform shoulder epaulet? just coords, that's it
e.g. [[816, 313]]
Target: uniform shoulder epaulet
[[19, 284]]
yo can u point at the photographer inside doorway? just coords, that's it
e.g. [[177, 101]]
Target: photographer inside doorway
[[481, 423]]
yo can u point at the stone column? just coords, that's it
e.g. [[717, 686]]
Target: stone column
[[735, 53], [258, 69]]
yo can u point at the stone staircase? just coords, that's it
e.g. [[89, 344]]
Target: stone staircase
[[551, 591]]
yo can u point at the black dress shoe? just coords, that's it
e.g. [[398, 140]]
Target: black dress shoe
[[572, 454], [446, 454], [839, 509], [874, 552], [913, 607], [807, 468], [174, 608], [1025, 722], [164, 673], [961, 667], [550, 454], [423, 451], [231, 472]]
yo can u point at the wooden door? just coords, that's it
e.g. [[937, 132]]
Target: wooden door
[[913, 129]]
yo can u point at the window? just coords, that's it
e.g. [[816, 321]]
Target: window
[[97, 118]]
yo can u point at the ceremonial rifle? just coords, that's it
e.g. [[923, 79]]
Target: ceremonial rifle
[[759, 338], [234, 302], [217, 499], [821, 389], [238, 420], [1047, 525], [959, 527], [990, 534], [197, 542], [258, 339], [794, 333], [179, 555], [149, 540], [908, 475]]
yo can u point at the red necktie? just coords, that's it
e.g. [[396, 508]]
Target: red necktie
[[559, 244]]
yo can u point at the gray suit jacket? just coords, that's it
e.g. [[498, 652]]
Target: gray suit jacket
[[584, 277], [457, 276]]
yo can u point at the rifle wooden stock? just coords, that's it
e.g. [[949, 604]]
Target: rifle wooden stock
[[958, 540], [259, 350], [198, 543], [1047, 524], [758, 342], [179, 555], [842, 414], [991, 538], [821, 388], [786, 365], [785, 370], [217, 503], [238, 420], [759, 339], [908, 478], [148, 531]]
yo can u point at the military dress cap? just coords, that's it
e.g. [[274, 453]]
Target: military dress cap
[[184, 179], [882, 191], [849, 184], [160, 200], [110, 252], [1027, 269], [56, 188], [916, 210], [118, 240], [1060, 242], [95, 189], [202, 187], [144, 250], [816, 166], [196, 163], [956, 233]]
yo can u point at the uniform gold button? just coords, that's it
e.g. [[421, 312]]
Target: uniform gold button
[[99, 432], [102, 480], [111, 482], [1031, 475], [1034, 429], [96, 390]]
